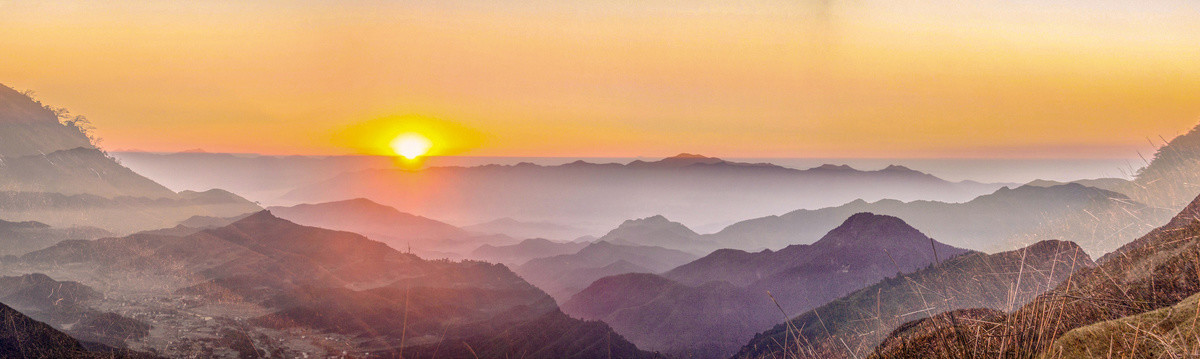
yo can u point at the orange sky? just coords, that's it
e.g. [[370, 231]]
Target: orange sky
[[764, 78]]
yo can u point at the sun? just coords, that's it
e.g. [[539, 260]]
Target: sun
[[411, 145]]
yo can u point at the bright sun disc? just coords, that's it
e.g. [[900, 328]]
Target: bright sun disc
[[411, 145]]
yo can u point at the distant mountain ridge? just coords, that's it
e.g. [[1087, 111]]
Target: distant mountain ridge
[[1002, 220], [692, 189]]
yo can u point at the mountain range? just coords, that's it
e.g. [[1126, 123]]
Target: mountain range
[[712, 306], [306, 278], [1098, 220], [693, 189]]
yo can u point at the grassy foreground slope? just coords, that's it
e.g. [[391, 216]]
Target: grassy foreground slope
[[851, 326], [1153, 272]]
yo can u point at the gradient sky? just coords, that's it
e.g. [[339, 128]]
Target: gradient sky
[[755, 78]]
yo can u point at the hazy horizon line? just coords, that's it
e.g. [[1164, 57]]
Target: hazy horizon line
[[641, 157], [1007, 170]]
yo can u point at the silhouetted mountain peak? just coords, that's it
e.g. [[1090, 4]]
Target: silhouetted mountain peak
[[1044, 183], [677, 161], [536, 241], [868, 218], [867, 228], [832, 167], [901, 170], [262, 224], [690, 156], [655, 220], [263, 217], [654, 231]]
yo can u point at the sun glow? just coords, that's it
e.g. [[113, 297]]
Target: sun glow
[[411, 145]]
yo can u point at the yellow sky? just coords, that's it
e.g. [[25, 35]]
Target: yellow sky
[[762, 78]]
